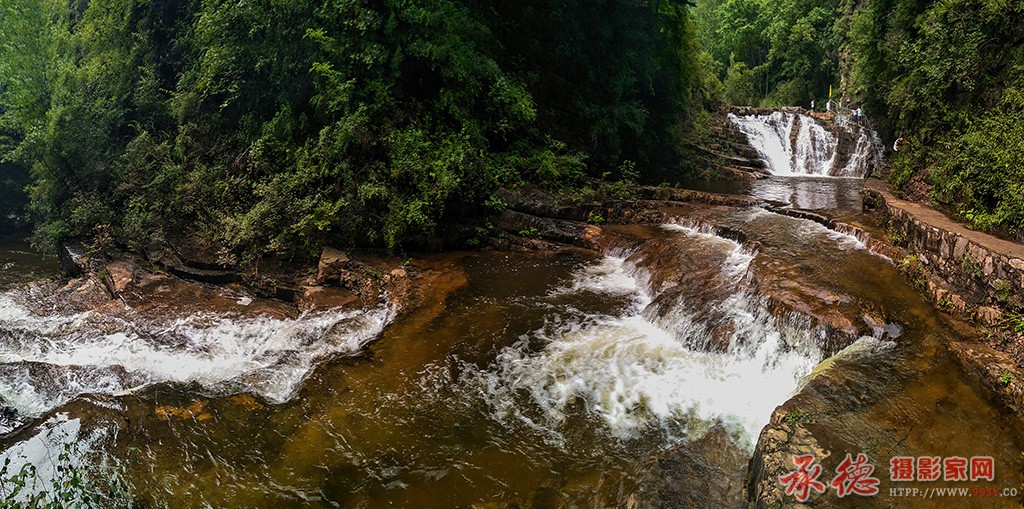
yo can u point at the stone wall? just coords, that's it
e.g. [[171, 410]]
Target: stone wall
[[961, 275]]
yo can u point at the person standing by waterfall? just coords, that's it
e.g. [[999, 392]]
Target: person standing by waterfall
[[896, 144]]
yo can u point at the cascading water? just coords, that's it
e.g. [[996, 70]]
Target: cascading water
[[47, 361], [655, 363], [792, 144], [548, 381]]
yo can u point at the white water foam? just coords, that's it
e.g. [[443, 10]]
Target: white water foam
[[810, 151], [808, 228], [46, 361], [608, 276], [736, 264], [42, 448], [858, 351], [633, 371]]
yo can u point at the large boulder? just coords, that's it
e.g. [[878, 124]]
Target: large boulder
[[707, 472], [72, 259], [202, 271], [9, 418], [332, 266]]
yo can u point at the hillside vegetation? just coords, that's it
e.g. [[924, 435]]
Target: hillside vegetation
[[948, 75], [275, 127]]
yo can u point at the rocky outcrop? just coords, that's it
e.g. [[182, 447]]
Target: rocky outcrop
[[360, 280], [707, 472], [729, 153], [174, 261], [72, 259], [316, 298], [648, 205], [127, 285], [785, 436], [810, 143], [332, 266], [995, 371], [536, 220], [9, 418]]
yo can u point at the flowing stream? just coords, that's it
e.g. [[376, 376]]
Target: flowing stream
[[535, 381]]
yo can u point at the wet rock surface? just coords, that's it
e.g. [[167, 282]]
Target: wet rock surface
[[312, 298], [994, 371], [187, 259], [894, 392], [126, 286], [779, 276], [708, 472], [332, 266], [781, 440], [72, 259], [9, 418]]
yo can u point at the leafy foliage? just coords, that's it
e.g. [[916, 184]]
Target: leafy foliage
[[778, 53], [275, 127], [945, 75], [949, 75]]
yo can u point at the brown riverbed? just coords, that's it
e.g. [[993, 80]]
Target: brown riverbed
[[561, 379]]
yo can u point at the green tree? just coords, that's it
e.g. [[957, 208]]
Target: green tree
[[740, 87], [275, 127]]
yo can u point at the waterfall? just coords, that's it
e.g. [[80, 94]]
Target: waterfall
[[792, 144]]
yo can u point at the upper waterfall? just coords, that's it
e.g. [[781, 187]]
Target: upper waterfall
[[794, 144]]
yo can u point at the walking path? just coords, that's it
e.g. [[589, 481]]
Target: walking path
[[937, 219]]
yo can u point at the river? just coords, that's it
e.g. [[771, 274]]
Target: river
[[528, 380]]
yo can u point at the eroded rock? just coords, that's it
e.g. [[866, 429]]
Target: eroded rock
[[995, 370], [72, 259], [9, 418], [786, 436], [331, 268], [707, 472]]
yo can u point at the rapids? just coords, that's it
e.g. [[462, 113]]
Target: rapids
[[529, 380]]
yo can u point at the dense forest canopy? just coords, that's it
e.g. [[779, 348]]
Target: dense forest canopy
[[275, 127], [949, 76], [773, 53]]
